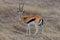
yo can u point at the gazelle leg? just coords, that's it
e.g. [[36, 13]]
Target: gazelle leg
[[42, 26], [36, 27], [29, 29]]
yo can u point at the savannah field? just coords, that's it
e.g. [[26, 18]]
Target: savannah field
[[12, 29]]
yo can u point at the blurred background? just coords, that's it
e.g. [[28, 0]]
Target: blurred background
[[11, 29]]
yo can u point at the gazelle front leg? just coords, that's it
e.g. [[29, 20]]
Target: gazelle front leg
[[27, 30]]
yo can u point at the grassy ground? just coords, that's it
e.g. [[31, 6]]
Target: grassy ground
[[11, 29]]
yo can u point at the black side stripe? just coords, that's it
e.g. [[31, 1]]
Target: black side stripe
[[31, 20]]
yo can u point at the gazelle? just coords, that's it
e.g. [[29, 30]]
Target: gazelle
[[35, 20]]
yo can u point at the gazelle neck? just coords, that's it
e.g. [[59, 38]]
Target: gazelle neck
[[20, 16]]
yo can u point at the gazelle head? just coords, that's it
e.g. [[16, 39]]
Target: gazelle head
[[20, 10]]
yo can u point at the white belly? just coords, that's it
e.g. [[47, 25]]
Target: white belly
[[32, 23]]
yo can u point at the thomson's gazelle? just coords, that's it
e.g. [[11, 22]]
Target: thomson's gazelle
[[36, 20]]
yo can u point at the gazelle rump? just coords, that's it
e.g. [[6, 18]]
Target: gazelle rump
[[28, 20]]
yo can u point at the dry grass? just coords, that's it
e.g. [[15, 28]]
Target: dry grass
[[11, 29]]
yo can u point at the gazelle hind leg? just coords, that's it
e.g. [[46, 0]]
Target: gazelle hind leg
[[42, 26], [36, 27], [29, 29]]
